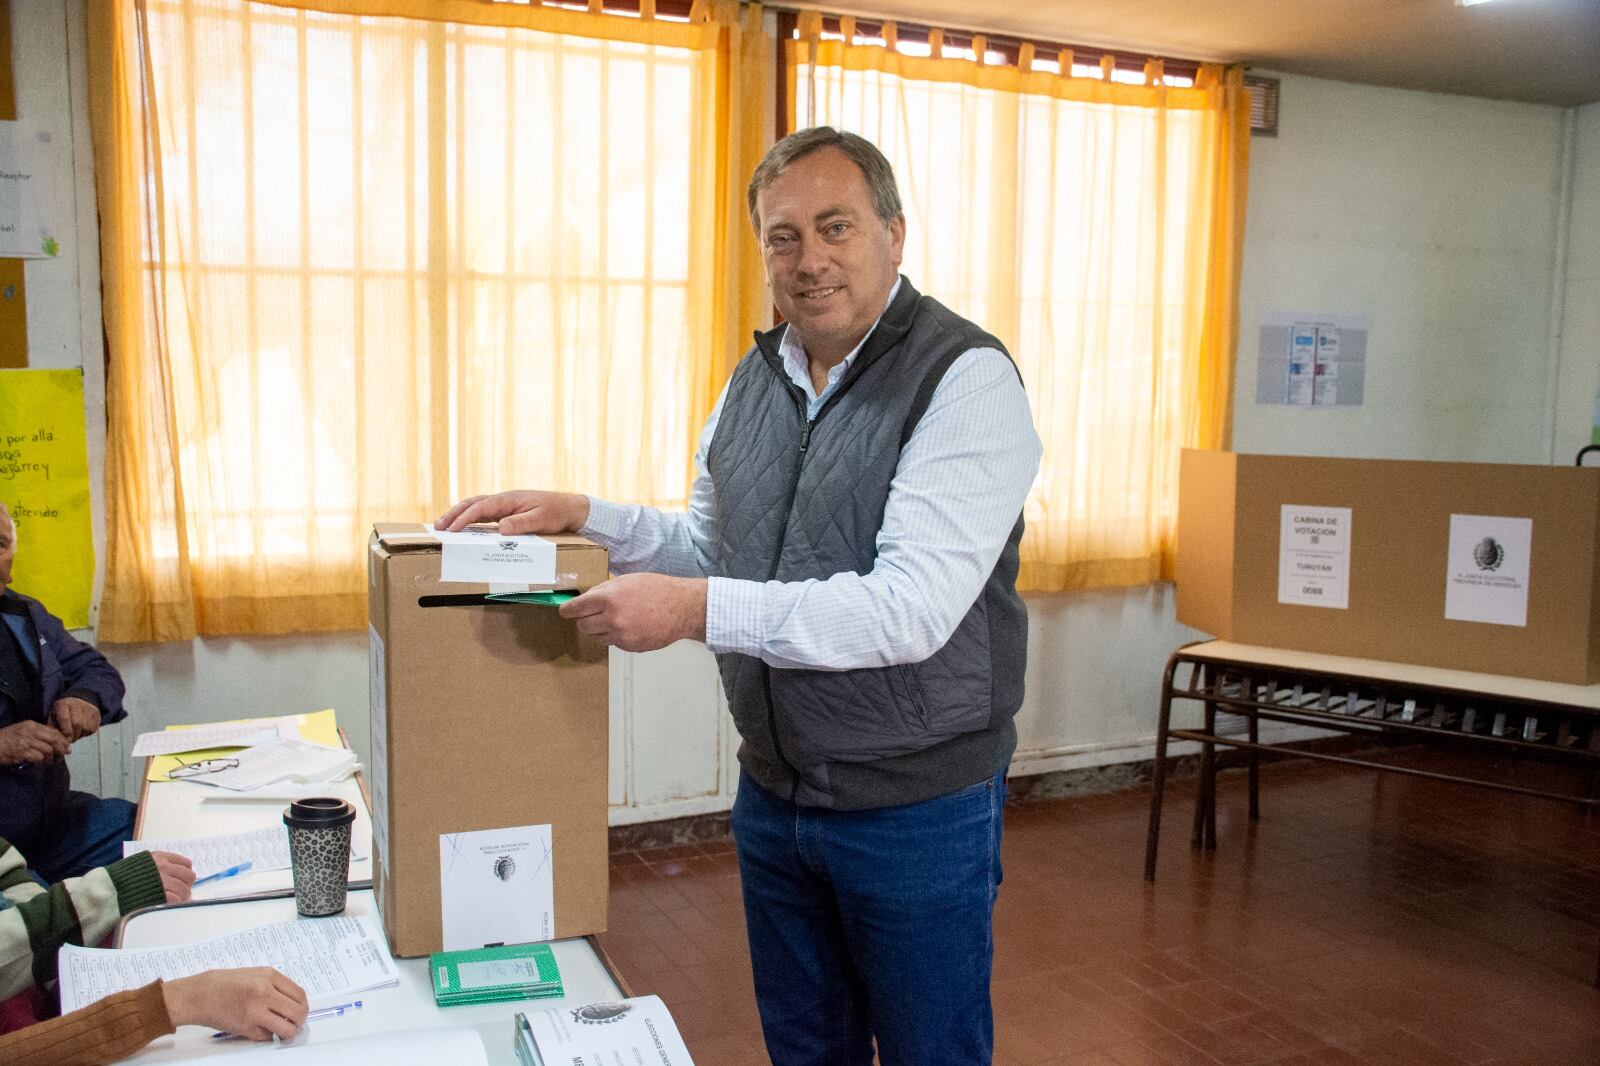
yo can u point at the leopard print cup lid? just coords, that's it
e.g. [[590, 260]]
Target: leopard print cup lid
[[319, 812]]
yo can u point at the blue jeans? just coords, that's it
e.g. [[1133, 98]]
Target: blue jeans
[[88, 832], [872, 926]]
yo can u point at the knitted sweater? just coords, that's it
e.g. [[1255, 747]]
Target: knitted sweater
[[103, 1032], [35, 922]]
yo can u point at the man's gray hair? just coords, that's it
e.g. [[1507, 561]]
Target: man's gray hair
[[860, 151]]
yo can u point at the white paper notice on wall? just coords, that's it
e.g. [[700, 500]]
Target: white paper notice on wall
[[1314, 556], [1487, 579], [483, 556], [496, 886], [1309, 359]]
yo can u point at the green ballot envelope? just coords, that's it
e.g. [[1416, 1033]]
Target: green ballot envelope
[[487, 975], [539, 599]]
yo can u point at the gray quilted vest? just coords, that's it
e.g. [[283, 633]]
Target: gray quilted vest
[[798, 501]]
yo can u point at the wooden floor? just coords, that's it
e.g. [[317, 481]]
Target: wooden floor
[[1367, 918]]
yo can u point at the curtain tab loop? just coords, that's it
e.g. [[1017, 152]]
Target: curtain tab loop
[[1025, 57], [936, 43], [1108, 66], [809, 25], [647, 9], [1064, 60], [1154, 71], [597, 7], [847, 29], [980, 48], [700, 11], [891, 36], [750, 15]]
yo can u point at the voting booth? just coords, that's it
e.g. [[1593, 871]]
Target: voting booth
[[489, 749], [1467, 566]]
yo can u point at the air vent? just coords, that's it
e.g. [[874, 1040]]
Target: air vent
[[1263, 105]]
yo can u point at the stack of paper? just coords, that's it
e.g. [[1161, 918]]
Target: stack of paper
[[632, 1030], [286, 760], [330, 958], [263, 849], [484, 975]]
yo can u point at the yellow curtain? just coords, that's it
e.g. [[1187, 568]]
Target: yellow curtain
[[1094, 226], [364, 257]]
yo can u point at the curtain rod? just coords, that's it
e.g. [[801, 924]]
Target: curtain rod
[[1004, 43]]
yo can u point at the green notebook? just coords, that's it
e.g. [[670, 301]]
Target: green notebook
[[486, 975]]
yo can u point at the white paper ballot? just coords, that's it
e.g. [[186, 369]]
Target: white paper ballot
[[482, 556], [638, 1030], [232, 735], [263, 849], [328, 957], [1314, 556], [408, 1047], [1487, 577], [496, 886]]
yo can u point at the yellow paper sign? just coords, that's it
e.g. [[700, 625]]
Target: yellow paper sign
[[318, 727], [44, 480]]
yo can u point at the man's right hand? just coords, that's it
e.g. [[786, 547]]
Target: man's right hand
[[524, 511], [32, 742]]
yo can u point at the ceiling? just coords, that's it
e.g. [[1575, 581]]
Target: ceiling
[[1544, 51]]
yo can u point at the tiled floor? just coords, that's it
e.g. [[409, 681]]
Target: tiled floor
[[1365, 919]]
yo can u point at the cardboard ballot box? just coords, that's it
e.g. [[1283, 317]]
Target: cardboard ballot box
[[1466, 566], [489, 754]]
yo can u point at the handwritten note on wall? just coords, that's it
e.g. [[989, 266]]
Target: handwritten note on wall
[[44, 481]]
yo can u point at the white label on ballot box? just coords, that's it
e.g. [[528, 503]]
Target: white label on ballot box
[[496, 886], [1314, 556], [1488, 576], [378, 704], [483, 556]]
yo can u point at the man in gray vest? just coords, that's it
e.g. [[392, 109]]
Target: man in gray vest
[[850, 555]]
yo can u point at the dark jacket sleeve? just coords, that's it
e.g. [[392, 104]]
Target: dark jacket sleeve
[[85, 673]]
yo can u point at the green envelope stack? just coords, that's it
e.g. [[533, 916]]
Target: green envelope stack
[[487, 975]]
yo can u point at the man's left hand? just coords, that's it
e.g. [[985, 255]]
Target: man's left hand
[[75, 718], [641, 612]]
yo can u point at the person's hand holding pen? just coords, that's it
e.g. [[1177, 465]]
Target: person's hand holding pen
[[257, 1003]]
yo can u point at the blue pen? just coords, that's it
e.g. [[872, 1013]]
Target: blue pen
[[312, 1015], [229, 872]]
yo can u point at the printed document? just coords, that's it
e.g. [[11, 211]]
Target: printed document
[[227, 735], [286, 760], [328, 957], [482, 556], [496, 886], [631, 1031], [263, 849]]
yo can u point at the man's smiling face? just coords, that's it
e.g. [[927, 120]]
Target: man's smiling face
[[831, 261]]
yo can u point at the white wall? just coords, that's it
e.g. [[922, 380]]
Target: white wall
[[1433, 215], [1580, 333]]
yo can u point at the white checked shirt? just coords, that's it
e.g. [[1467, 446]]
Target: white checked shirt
[[956, 493]]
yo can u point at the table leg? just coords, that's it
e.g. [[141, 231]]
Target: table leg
[[1158, 773], [1255, 770]]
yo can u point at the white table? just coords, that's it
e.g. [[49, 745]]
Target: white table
[[171, 810], [584, 973]]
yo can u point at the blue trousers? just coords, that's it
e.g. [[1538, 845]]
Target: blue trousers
[[88, 832], [872, 926]]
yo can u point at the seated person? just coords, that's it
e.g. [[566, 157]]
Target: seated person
[[258, 1003], [255, 1003], [54, 690]]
